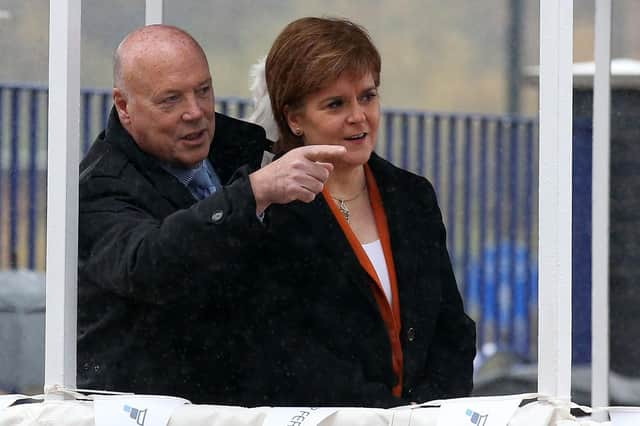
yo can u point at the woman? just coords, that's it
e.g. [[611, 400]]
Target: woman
[[362, 306]]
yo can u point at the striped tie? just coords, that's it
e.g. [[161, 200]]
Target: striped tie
[[201, 183]]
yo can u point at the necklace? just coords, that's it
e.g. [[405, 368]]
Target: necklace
[[342, 203]]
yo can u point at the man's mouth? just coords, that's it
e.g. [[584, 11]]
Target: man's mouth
[[356, 137], [194, 135]]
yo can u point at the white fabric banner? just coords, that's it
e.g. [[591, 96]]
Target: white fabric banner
[[8, 400], [297, 416], [134, 410], [624, 416], [480, 411]]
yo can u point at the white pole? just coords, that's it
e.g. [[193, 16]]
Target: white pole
[[153, 12], [554, 338], [62, 192], [600, 208]]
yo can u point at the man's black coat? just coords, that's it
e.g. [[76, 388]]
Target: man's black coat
[[153, 261]]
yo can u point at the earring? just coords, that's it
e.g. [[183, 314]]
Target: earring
[[297, 132]]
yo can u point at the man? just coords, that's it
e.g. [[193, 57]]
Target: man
[[170, 219]]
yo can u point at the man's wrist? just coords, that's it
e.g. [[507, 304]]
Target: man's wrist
[[258, 189]]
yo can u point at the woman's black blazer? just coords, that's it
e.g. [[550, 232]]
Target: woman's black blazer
[[319, 337]]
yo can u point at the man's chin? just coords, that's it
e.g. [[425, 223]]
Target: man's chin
[[193, 152], [190, 160]]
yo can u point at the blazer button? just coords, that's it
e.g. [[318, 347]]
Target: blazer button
[[411, 334], [217, 216]]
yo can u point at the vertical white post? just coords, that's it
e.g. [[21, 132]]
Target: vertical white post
[[600, 208], [62, 192], [153, 12], [556, 97]]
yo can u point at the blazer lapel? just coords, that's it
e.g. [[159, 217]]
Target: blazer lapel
[[403, 230], [408, 242], [325, 232]]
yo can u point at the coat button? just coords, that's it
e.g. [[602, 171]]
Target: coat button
[[217, 216], [411, 334]]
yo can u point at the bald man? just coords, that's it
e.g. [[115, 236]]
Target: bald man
[[171, 204]]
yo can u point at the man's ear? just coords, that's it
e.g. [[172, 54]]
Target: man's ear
[[121, 103]]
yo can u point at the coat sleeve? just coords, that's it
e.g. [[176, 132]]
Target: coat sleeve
[[449, 367], [127, 250]]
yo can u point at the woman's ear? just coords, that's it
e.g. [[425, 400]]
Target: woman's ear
[[293, 120]]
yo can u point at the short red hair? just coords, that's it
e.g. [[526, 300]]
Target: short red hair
[[310, 54]]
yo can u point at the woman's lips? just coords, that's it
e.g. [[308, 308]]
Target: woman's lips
[[359, 137]]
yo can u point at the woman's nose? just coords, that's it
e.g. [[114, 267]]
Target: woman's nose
[[357, 114]]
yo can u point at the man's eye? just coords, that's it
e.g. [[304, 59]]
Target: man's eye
[[204, 90], [170, 99]]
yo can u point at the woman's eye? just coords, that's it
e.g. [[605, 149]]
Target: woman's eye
[[334, 104], [368, 97]]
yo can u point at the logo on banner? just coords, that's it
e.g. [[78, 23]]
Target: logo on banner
[[136, 414], [299, 418], [477, 418]]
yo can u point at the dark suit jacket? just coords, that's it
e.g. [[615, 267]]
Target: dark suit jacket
[[152, 260], [322, 339]]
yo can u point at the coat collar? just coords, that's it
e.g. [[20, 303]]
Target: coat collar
[[404, 232], [396, 199], [235, 143]]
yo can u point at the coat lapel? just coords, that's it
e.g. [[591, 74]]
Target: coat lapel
[[407, 234], [325, 232], [232, 139], [165, 183], [403, 229], [237, 140]]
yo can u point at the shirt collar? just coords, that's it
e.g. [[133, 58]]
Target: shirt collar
[[185, 175]]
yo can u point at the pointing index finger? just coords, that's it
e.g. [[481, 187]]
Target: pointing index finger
[[324, 153]]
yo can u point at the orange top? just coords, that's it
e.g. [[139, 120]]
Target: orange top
[[390, 314]]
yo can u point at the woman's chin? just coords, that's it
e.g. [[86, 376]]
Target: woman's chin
[[355, 159]]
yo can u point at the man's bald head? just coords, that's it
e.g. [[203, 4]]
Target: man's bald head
[[163, 94], [145, 41]]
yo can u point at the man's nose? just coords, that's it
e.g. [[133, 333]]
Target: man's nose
[[193, 109]]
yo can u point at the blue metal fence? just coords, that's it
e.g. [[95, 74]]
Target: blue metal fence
[[484, 168]]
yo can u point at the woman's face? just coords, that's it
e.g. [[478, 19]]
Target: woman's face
[[347, 113]]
